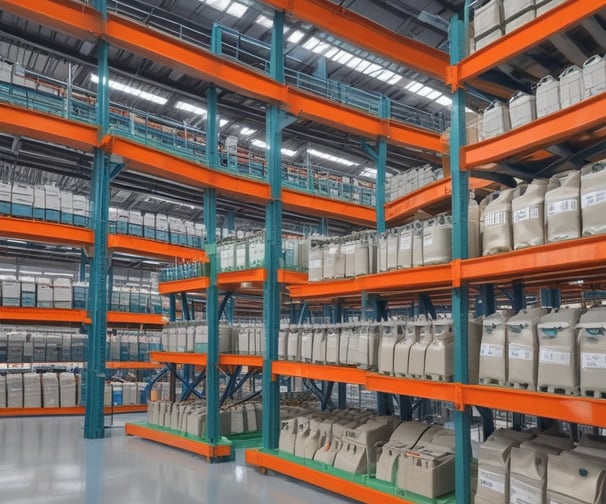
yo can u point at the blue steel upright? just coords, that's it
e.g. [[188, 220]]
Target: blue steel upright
[[273, 245], [460, 294], [212, 292], [97, 294]]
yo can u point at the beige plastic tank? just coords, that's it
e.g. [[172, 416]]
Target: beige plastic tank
[[401, 356], [439, 357], [391, 333], [527, 210], [405, 246], [307, 343], [562, 213], [283, 342], [344, 343], [339, 263], [496, 224], [329, 258], [437, 240], [572, 89], [353, 358], [592, 349], [417, 244], [393, 237], [348, 250], [558, 361], [473, 227], [319, 345], [522, 109], [528, 473], [474, 343], [368, 345], [547, 96], [495, 120], [593, 198], [333, 333], [361, 257], [594, 75], [293, 347], [493, 351], [416, 359], [382, 252], [574, 479], [316, 256], [523, 348]]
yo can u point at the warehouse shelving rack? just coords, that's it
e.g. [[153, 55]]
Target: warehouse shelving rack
[[545, 263]]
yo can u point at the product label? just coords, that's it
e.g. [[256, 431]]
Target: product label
[[333, 249], [547, 356], [593, 198], [427, 239], [315, 263], [348, 249], [557, 207], [525, 213], [492, 481], [495, 218], [593, 360], [521, 493], [520, 352], [406, 242], [489, 350]]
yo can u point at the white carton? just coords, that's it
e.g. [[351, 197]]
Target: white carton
[[62, 293], [44, 293], [11, 293], [39, 202]]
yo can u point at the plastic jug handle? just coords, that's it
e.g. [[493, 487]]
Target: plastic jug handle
[[593, 59]]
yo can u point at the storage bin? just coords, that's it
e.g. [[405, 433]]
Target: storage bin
[[572, 89], [547, 96], [522, 109], [495, 120], [594, 75]]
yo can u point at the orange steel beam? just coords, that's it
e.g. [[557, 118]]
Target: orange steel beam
[[152, 248], [75, 410], [311, 204], [321, 479], [131, 365], [439, 391], [554, 128], [557, 20], [572, 255], [366, 34], [198, 359], [240, 360], [319, 372], [29, 123], [135, 318], [292, 277], [45, 232], [190, 444], [142, 158], [198, 284], [51, 315], [236, 278], [580, 410]]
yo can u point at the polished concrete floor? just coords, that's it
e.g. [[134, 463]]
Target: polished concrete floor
[[46, 461]]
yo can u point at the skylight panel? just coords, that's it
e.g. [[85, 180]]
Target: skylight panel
[[433, 95], [259, 143], [331, 52], [342, 57], [125, 88], [354, 62], [264, 21], [424, 91], [395, 79], [222, 122], [311, 44], [444, 100], [288, 152], [413, 86], [247, 131], [369, 172], [220, 5], [188, 107], [330, 157], [237, 9], [372, 69], [296, 36], [362, 66]]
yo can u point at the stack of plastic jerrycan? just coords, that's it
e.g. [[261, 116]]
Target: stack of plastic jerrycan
[[283, 342], [487, 23], [572, 89], [473, 227], [404, 437], [319, 345], [523, 348], [527, 211], [493, 352], [417, 244], [67, 390], [307, 343], [493, 466], [575, 479], [333, 344], [562, 213], [288, 435], [405, 246], [547, 96], [368, 345], [348, 250], [315, 263], [392, 250], [416, 359], [329, 257], [437, 240], [329, 447], [337, 440], [294, 344], [50, 390], [593, 198], [429, 466], [594, 75], [496, 223], [303, 431], [362, 257], [439, 357], [339, 263], [592, 349], [382, 252], [558, 362], [474, 343], [401, 354], [353, 358], [545, 5], [32, 391], [517, 13], [528, 467], [495, 120], [522, 108], [391, 333], [344, 343], [313, 441]]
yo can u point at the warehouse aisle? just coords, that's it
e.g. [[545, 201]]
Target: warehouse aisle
[[46, 461]]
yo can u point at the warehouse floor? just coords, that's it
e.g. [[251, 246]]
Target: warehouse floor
[[46, 460]]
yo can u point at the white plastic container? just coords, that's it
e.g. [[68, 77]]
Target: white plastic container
[[592, 349], [439, 357], [497, 230], [493, 470], [522, 109], [406, 236], [562, 212], [572, 89], [283, 342], [416, 359], [294, 344], [319, 345], [523, 17], [368, 345], [437, 240], [488, 38], [391, 334], [315, 269], [495, 120], [333, 344], [558, 356], [417, 244], [547, 96], [594, 75], [401, 356], [392, 249], [339, 263], [523, 348], [513, 8], [493, 352], [545, 5], [348, 250], [488, 17], [473, 227], [362, 257], [527, 211], [593, 198], [574, 479], [307, 342], [382, 252]]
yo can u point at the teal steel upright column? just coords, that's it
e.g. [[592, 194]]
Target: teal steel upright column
[[212, 292], [273, 245], [460, 299], [97, 294], [381, 167]]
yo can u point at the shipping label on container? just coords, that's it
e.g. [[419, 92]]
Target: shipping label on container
[[490, 350], [492, 481], [315, 263], [348, 249], [428, 239], [525, 213], [558, 207], [520, 352], [593, 360], [406, 241], [495, 218], [593, 198], [521, 493], [547, 356]]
